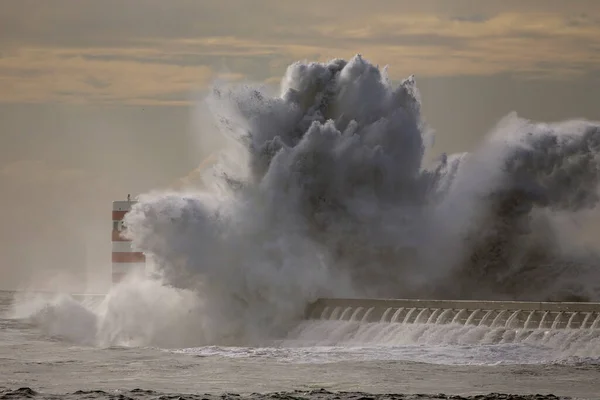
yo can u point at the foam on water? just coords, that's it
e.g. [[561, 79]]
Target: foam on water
[[337, 341], [322, 192], [452, 343]]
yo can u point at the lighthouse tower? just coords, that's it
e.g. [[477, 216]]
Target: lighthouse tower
[[124, 259]]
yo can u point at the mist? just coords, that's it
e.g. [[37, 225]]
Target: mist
[[62, 167]]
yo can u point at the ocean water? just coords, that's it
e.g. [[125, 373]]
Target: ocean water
[[316, 359]]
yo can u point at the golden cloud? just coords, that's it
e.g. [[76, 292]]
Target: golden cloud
[[163, 71], [70, 75]]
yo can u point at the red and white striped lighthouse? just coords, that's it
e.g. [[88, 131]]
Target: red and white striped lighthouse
[[124, 259]]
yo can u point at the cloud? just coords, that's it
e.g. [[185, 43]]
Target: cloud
[[40, 75], [154, 52], [507, 42]]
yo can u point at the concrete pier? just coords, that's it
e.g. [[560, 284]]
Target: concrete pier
[[509, 314]]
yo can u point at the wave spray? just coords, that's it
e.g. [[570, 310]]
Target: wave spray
[[322, 191]]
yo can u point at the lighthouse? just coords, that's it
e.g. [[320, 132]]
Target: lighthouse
[[124, 259]]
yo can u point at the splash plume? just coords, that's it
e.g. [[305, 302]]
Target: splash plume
[[331, 180], [323, 192]]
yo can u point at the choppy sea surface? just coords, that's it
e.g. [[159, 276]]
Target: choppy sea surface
[[35, 364]]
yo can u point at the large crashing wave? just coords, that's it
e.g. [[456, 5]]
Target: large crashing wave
[[324, 193], [329, 197]]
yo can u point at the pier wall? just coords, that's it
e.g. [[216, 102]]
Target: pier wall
[[510, 314]]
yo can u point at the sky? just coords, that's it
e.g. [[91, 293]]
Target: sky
[[103, 98]]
